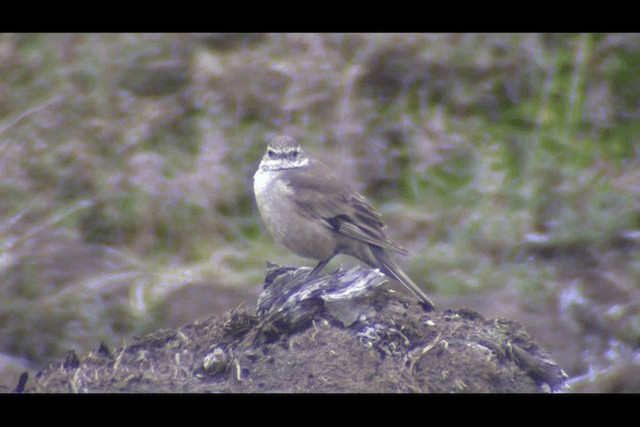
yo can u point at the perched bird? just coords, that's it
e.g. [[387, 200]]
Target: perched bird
[[316, 214]]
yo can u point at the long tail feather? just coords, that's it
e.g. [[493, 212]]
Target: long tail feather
[[391, 269]]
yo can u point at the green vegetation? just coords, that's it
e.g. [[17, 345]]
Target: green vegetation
[[507, 164]]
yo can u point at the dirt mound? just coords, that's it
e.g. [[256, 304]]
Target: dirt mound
[[337, 333]]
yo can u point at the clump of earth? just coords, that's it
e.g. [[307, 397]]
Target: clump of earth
[[343, 332]]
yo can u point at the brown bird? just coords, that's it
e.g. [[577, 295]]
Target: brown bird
[[315, 214]]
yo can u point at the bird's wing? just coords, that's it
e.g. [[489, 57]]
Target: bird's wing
[[321, 195]]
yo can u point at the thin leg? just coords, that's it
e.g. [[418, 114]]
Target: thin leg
[[319, 267]]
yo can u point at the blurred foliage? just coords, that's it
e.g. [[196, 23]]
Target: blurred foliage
[[127, 163]]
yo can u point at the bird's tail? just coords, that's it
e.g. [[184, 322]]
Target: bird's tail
[[391, 269]]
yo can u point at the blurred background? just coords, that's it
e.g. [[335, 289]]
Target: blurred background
[[507, 164]]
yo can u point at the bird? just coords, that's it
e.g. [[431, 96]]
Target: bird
[[316, 214]]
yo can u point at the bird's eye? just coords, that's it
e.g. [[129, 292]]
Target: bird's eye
[[271, 153], [294, 154]]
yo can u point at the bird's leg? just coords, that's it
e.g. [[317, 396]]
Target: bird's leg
[[319, 267]]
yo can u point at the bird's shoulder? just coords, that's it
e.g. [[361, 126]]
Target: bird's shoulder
[[317, 177]]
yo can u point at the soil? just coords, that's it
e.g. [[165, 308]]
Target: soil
[[343, 332]]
